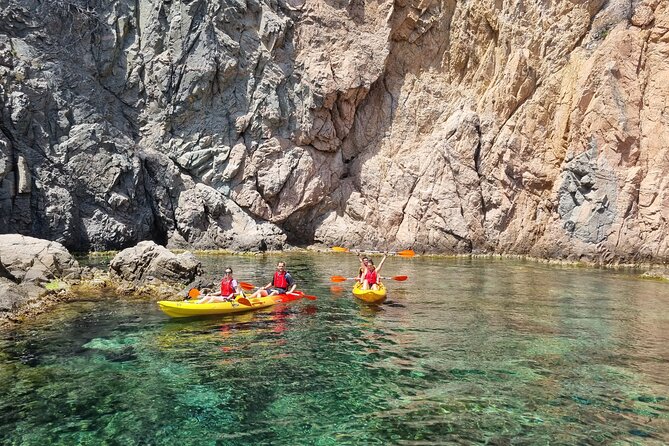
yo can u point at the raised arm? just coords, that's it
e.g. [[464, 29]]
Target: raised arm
[[378, 268]]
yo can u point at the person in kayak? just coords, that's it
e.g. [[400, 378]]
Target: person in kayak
[[282, 282], [371, 278], [229, 288], [363, 267]]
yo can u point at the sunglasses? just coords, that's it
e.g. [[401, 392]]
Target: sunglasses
[[228, 272]]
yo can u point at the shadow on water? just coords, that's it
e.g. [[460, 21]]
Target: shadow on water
[[476, 351]]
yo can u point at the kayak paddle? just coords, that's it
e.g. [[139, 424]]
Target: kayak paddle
[[341, 278], [306, 296], [246, 286], [398, 278], [297, 295]]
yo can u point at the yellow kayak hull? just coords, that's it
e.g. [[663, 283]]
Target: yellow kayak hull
[[190, 308], [370, 296]]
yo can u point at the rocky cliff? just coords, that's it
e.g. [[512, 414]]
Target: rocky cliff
[[515, 126]]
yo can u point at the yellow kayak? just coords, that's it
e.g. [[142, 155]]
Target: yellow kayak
[[370, 296], [190, 308]]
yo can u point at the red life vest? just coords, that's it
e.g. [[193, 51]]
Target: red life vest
[[279, 280], [370, 277], [226, 287]]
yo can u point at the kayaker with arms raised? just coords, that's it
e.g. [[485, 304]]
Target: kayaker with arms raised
[[363, 268], [229, 287], [282, 283], [370, 278]]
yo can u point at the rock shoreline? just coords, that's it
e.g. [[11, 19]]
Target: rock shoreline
[[37, 274]]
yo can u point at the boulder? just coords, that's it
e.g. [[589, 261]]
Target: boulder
[[149, 263], [27, 265], [32, 260]]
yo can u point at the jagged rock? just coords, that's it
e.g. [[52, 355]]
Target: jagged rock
[[27, 259], [27, 265], [507, 127], [11, 296], [148, 263]]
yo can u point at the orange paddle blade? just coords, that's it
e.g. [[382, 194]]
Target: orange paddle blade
[[338, 279], [244, 301], [193, 293], [339, 249], [406, 253], [246, 286], [288, 298], [400, 278], [300, 294]]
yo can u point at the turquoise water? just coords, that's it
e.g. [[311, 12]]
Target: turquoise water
[[475, 352]]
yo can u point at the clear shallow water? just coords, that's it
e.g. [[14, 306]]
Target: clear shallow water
[[476, 352]]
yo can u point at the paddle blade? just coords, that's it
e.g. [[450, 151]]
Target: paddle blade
[[339, 249], [338, 279], [193, 293], [400, 278], [406, 253], [244, 301], [289, 298], [246, 286], [300, 294]]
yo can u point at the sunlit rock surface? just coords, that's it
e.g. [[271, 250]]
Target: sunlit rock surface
[[148, 262], [518, 127], [27, 266]]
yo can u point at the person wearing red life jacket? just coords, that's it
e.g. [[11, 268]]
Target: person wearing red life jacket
[[371, 277], [363, 267], [229, 287], [282, 283]]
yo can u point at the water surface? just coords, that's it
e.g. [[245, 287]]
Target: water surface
[[464, 352]]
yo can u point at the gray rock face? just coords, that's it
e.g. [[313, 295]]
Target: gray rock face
[[27, 264], [148, 262], [11, 296], [516, 127], [27, 259]]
